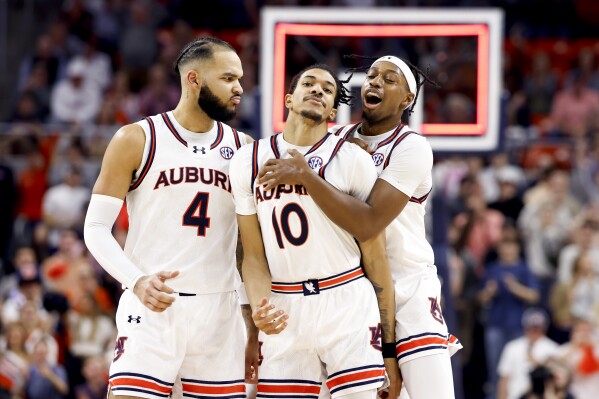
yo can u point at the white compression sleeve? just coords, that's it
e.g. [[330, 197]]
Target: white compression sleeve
[[101, 215], [243, 296]]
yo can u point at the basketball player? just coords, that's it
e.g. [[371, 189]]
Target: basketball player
[[404, 161], [179, 313], [317, 313]]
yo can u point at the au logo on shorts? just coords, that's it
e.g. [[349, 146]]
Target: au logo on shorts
[[376, 334], [378, 158], [436, 310], [315, 162], [119, 348]]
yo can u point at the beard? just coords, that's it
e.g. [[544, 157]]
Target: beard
[[213, 106], [314, 116]]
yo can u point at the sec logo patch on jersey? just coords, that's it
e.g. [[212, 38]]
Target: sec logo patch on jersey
[[378, 158], [315, 162], [227, 152]]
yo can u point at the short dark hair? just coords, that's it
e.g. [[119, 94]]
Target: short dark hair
[[200, 49], [342, 95]]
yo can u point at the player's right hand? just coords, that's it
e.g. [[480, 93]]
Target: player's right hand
[[267, 319], [153, 292]]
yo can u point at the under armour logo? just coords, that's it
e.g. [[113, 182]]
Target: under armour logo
[[197, 149], [311, 287], [136, 319]]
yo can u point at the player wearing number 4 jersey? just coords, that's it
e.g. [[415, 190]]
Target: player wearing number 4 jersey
[[179, 314], [302, 272], [404, 160]]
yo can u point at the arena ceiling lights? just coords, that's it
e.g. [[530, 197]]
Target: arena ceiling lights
[[486, 25]]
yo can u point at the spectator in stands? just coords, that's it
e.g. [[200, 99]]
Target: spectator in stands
[[479, 228], [586, 65], [97, 66], [95, 373], [160, 94], [544, 224], [489, 176], [32, 185], [126, 102], [64, 204], [581, 356], [458, 108], [74, 156], [509, 202], [75, 99], [139, 29], [540, 85], [585, 241], [28, 109], [61, 270], [524, 354], [92, 333], [45, 57], [14, 362], [508, 287], [37, 84], [46, 380], [30, 290], [575, 110]]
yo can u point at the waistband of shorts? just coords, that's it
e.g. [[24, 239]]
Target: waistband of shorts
[[314, 286]]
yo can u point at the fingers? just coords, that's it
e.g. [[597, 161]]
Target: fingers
[[163, 276], [295, 153], [267, 321]]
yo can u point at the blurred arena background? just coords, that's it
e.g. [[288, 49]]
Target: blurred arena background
[[536, 184]]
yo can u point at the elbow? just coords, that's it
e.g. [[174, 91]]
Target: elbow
[[366, 231]]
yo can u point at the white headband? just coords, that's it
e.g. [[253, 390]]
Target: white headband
[[405, 69]]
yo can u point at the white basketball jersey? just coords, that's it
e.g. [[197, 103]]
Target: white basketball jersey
[[403, 158], [181, 210], [300, 241]]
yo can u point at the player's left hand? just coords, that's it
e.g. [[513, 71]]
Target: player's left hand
[[395, 380], [252, 359], [284, 171]]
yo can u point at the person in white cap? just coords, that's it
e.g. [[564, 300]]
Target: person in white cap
[[404, 161]]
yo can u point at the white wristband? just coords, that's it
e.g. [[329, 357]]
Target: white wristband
[[243, 297], [101, 215]]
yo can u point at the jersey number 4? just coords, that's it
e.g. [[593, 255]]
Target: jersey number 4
[[197, 213], [298, 239]]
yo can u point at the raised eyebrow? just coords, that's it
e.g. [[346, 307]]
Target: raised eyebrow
[[232, 75]]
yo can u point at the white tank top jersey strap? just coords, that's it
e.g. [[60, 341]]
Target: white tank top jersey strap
[[404, 159], [300, 241], [181, 210]]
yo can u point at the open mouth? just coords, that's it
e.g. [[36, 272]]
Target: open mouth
[[372, 99]]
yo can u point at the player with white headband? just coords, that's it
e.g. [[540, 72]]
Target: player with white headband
[[404, 162]]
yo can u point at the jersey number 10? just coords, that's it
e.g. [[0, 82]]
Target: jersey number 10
[[285, 213]]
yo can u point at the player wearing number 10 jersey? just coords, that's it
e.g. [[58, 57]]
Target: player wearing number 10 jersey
[[300, 262], [172, 168]]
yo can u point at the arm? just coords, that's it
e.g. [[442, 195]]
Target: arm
[[502, 388], [522, 292], [363, 220], [374, 256], [257, 277], [123, 156]]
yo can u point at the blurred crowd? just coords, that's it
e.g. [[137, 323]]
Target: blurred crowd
[[523, 237]]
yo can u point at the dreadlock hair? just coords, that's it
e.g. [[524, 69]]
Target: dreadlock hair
[[420, 76], [200, 49], [343, 95]]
